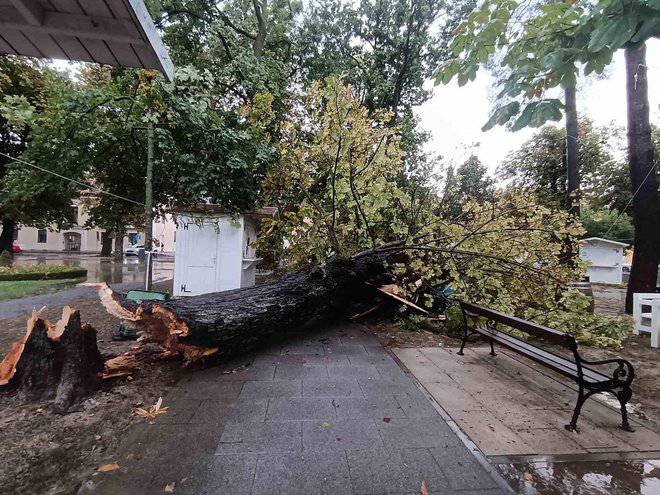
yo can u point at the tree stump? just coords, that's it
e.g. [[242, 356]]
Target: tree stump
[[58, 361]]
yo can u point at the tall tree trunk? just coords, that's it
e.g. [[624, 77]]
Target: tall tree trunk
[[572, 158], [119, 247], [644, 183], [106, 244], [7, 235], [260, 12]]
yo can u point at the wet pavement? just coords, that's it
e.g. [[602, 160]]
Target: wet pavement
[[103, 269], [584, 477], [121, 275], [325, 413]]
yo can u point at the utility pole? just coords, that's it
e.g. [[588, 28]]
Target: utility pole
[[148, 205]]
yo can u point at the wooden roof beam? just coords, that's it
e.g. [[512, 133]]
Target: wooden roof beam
[[82, 26], [31, 11]]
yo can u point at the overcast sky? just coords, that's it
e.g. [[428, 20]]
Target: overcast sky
[[454, 115]]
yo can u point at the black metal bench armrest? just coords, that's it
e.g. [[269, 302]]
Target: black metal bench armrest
[[622, 375]]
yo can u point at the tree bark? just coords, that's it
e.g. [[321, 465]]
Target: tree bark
[[238, 320], [58, 361], [572, 158], [119, 248], [644, 183], [7, 235], [106, 244]]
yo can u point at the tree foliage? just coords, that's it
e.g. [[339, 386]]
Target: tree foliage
[[543, 46], [335, 182]]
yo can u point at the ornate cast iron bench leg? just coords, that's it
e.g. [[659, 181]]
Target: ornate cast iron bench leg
[[465, 332], [582, 397], [624, 396]]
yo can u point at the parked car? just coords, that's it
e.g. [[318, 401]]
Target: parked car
[[15, 248], [134, 250]]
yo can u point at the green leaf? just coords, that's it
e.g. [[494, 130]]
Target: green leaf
[[502, 115], [649, 29]]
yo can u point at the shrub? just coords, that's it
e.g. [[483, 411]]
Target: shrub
[[41, 272]]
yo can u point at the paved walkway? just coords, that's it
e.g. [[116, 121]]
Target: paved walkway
[[326, 414], [24, 305], [509, 405]]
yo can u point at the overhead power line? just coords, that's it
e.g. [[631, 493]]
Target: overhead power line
[[80, 183], [648, 174]]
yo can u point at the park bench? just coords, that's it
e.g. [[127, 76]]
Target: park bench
[[590, 381]]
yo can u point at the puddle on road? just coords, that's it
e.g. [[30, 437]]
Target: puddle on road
[[584, 477], [130, 269]]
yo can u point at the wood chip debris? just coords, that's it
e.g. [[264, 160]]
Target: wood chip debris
[[123, 365], [395, 292], [108, 467]]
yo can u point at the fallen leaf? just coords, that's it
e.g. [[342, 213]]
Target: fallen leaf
[[229, 372], [97, 437], [386, 420], [152, 411], [108, 467], [325, 424], [424, 491], [169, 488]]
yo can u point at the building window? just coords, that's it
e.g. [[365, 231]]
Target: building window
[[42, 236], [74, 215], [98, 236]]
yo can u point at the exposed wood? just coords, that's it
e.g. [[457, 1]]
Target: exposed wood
[[394, 291], [369, 311], [59, 361], [123, 365]]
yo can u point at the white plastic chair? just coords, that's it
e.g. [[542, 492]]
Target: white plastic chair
[[648, 321]]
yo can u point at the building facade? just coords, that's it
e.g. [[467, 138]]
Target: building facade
[[81, 239]]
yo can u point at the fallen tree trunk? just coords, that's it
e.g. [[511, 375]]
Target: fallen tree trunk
[[58, 361], [236, 321]]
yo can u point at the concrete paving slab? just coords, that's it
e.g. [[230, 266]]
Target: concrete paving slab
[[232, 473], [268, 390], [331, 388], [341, 435], [251, 432], [507, 406], [399, 433], [462, 470], [269, 437], [298, 409], [364, 408], [383, 471], [306, 473], [301, 371]]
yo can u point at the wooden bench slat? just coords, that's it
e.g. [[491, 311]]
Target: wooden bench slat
[[549, 359], [535, 329]]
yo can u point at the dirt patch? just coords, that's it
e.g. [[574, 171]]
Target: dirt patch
[[391, 334], [50, 454]]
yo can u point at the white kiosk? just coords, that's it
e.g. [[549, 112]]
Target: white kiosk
[[605, 258], [215, 250]]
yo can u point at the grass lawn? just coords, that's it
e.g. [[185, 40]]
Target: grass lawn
[[21, 288]]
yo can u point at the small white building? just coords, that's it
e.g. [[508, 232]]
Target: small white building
[[605, 259], [215, 250]]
